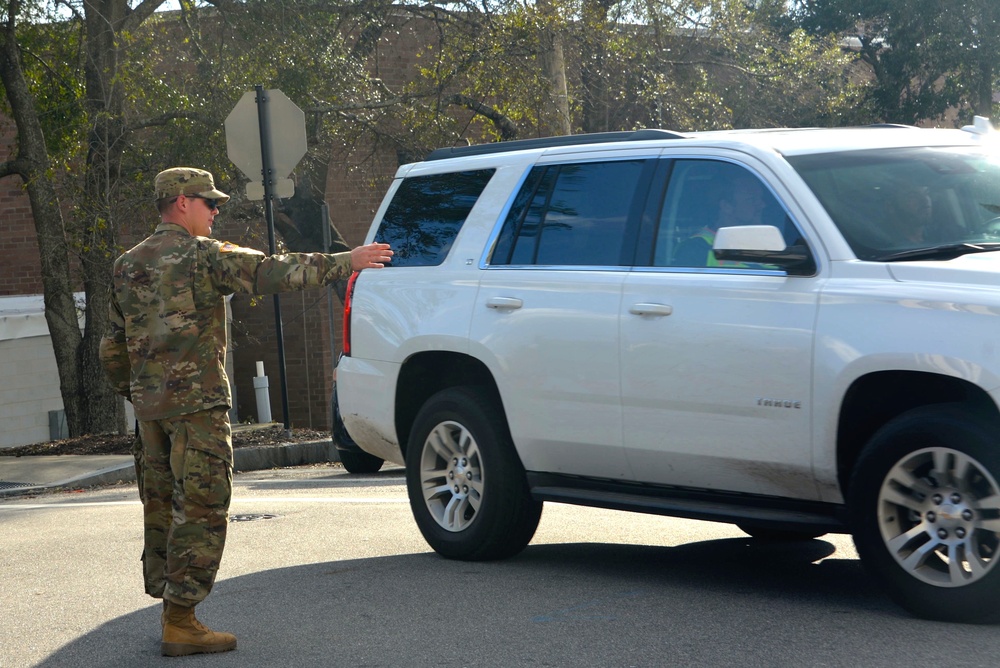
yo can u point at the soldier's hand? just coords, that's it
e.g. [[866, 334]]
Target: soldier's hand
[[370, 256]]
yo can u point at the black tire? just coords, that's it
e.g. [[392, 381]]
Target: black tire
[[777, 535], [467, 487], [359, 462], [354, 459], [925, 513]]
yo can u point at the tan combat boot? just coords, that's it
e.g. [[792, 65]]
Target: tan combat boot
[[183, 634]]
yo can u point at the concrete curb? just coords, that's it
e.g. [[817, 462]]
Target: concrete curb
[[244, 459], [280, 456]]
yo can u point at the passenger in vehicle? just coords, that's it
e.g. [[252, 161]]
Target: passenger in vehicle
[[911, 216], [741, 202]]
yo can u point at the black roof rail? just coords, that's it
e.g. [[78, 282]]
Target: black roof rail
[[548, 142]]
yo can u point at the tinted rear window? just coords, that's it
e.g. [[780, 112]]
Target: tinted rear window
[[572, 215], [426, 214]]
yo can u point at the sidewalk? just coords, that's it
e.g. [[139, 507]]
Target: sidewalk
[[33, 474]]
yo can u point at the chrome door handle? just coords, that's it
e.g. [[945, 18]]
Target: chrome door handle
[[651, 309], [504, 303]]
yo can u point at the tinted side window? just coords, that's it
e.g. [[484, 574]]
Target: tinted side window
[[426, 214], [571, 215], [702, 196]]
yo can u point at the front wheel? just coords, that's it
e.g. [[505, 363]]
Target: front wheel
[[467, 488], [925, 511]]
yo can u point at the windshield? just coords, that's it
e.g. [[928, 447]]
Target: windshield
[[888, 202]]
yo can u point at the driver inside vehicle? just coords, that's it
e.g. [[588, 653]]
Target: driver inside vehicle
[[741, 202], [911, 216]]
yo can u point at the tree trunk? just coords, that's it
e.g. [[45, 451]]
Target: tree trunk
[[554, 66], [90, 403], [593, 56], [32, 164], [105, 104], [983, 95]]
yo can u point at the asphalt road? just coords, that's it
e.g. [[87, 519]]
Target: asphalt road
[[327, 569]]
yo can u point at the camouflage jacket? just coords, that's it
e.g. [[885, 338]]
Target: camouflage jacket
[[165, 349]]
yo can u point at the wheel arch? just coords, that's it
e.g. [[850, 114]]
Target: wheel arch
[[424, 374], [874, 399]]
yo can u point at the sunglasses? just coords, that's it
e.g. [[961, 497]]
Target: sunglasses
[[212, 204]]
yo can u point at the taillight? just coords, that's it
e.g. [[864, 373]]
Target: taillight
[[348, 294]]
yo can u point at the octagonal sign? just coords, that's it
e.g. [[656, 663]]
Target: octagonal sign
[[287, 138]]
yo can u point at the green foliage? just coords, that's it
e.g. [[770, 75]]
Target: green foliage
[[51, 57], [492, 60], [926, 57], [678, 64], [301, 48], [59, 95], [682, 64]]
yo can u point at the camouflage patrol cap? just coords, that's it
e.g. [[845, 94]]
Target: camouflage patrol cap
[[187, 181]]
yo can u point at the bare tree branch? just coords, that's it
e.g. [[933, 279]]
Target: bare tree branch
[[9, 168], [359, 106], [224, 5], [503, 123], [164, 119], [139, 14], [71, 9], [187, 11]]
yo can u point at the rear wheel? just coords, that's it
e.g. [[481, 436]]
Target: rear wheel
[[467, 488], [925, 511], [354, 459], [360, 462]]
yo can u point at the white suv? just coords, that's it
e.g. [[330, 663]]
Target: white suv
[[796, 331]]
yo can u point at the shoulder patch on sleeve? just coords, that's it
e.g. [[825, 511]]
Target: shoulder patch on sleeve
[[224, 247]]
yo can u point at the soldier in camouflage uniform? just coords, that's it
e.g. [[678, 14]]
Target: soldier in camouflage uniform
[[165, 351]]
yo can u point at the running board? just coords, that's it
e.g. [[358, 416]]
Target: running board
[[768, 512]]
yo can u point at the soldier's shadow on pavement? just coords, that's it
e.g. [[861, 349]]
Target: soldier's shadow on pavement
[[553, 605]]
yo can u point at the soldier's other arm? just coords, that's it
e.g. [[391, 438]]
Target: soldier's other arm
[[114, 352]]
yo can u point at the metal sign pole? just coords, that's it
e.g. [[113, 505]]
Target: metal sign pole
[[267, 172], [327, 241]]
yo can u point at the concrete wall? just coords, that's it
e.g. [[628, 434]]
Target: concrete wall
[[30, 380]]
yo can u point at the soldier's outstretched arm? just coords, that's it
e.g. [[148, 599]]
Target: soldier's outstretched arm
[[238, 269]]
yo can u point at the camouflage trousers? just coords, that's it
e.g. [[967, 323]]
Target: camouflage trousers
[[184, 467]]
